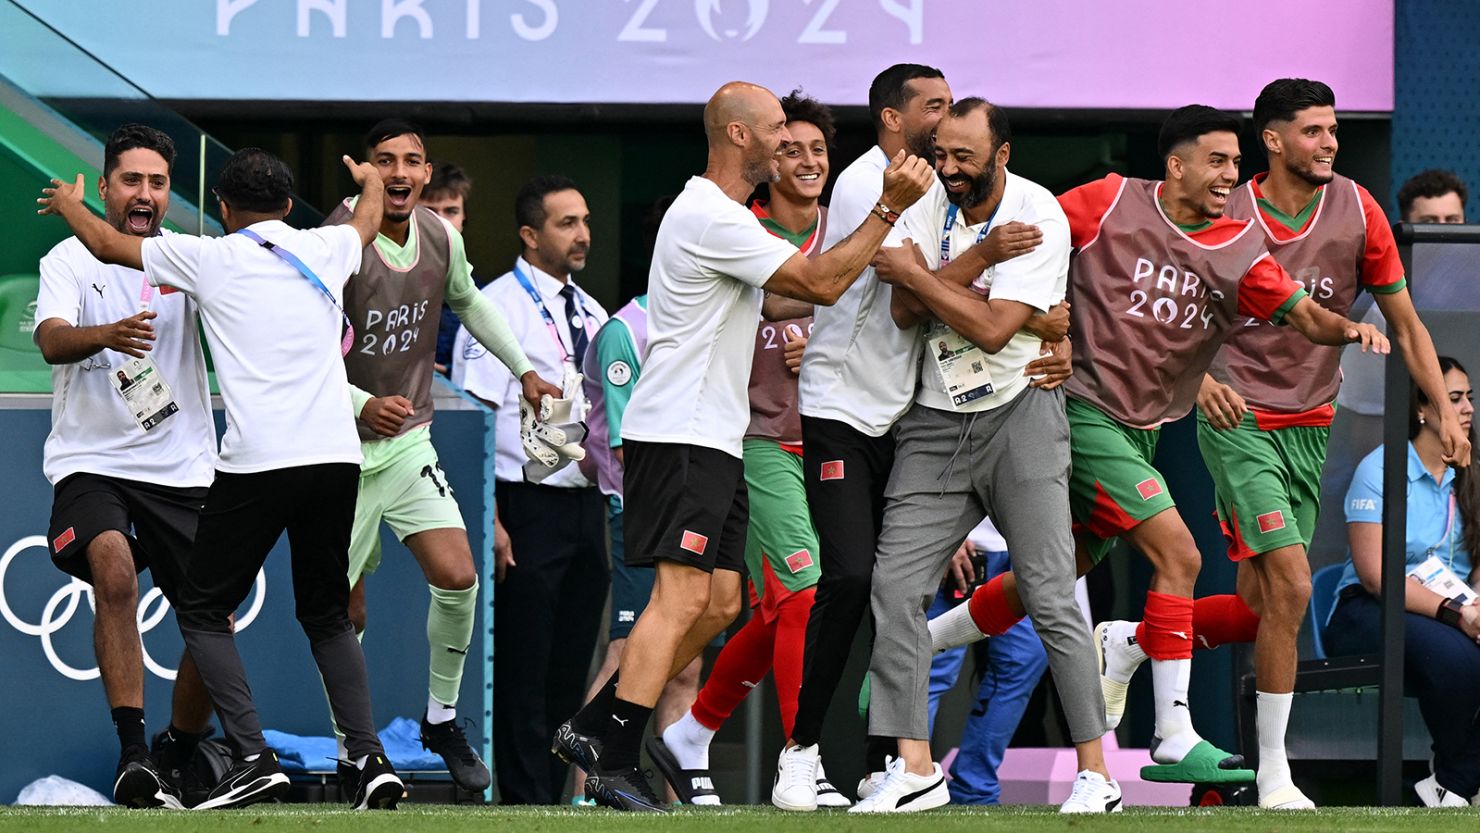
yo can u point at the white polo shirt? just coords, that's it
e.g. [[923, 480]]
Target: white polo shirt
[[859, 368], [1037, 279], [274, 338], [704, 297], [480, 373], [91, 428]]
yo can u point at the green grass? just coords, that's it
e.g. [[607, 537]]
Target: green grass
[[448, 819]]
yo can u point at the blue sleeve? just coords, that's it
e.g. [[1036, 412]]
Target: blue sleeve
[[1364, 497]]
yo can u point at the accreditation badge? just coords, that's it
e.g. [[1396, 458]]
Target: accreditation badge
[[145, 392], [962, 365]]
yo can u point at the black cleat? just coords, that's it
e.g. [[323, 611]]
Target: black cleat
[[139, 784], [249, 782], [575, 748], [380, 786], [687, 784], [626, 789], [448, 740]]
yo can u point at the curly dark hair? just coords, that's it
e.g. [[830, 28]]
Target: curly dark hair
[[134, 136], [798, 106], [255, 181], [1431, 183]]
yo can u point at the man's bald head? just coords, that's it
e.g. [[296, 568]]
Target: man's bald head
[[738, 101]]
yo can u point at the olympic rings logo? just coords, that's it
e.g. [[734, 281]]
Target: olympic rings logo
[[65, 602]]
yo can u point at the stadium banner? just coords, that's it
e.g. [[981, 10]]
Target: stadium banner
[[1146, 54], [46, 620]]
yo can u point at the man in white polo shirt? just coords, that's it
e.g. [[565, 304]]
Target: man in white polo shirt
[[271, 299], [684, 483], [130, 466], [979, 439], [550, 538]]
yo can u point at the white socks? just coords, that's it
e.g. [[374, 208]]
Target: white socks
[[688, 740], [1170, 679], [953, 629], [1272, 718], [438, 712]]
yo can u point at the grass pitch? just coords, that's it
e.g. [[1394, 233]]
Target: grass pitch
[[450, 819]]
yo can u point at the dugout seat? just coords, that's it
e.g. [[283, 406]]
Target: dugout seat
[[22, 369], [1322, 601]]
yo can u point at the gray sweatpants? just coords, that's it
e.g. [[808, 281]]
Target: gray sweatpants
[[1011, 464]]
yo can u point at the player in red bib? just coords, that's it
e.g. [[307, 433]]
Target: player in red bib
[[1160, 279], [1265, 407]]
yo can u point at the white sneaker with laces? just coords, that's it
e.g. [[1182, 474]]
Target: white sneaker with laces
[[827, 794], [1433, 795], [1120, 656], [795, 788], [905, 792], [870, 782], [1092, 794]]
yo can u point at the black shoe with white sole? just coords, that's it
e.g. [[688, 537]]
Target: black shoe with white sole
[[688, 784], [380, 786], [626, 789], [249, 782], [450, 742], [139, 784]]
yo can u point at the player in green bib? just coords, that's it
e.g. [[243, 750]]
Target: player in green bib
[[395, 303]]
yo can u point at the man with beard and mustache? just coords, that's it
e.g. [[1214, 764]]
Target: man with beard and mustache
[[394, 301], [682, 433], [1161, 278], [549, 537], [858, 377], [1265, 407], [981, 438], [129, 481]]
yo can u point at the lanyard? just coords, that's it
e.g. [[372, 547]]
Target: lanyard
[[545, 311], [146, 294], [292, 260], [945, 234], [1448, 533]]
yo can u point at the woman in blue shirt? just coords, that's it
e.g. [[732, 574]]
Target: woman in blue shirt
[[1441, 631]]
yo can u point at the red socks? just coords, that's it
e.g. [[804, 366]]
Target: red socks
[[741, 665], [989, 608], [1220, 620], [1165, 631], [791, 643]]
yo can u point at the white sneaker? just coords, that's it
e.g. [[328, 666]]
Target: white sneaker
[[870, 782], [1092, 794], [1120, 656], [827, 794], [795, 788], [905, 792], [1433, 795]]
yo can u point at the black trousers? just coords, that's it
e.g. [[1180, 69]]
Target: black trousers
[[846, 471], [546, 620], [243, 518]]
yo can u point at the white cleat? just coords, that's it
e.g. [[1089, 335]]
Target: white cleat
[[1120, 656], [1092, 794], [827, 794], [1433, 795], [795, 788], [904, 792]]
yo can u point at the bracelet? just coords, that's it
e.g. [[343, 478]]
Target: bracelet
[[885, 213], [1448, 612]]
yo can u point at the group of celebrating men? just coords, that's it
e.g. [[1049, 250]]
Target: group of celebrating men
[[824, 401]]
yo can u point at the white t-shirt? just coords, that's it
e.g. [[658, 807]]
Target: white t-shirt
[[481, 373], [91, 428], [859, 368], [1037, 279], [704, 297], [274, 338]]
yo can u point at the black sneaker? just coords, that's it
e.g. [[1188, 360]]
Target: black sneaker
[[687, 784], [626, 789], [349, 780], [448, 740], [248, 783], [139, 784], [380, 786], [575, 748]]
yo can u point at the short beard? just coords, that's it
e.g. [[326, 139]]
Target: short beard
[[400, 217], [757, 171], [979, 192], [1310, 176], [920, 144]]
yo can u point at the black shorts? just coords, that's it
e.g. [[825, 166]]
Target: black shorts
[[686, 504], [158, 521]]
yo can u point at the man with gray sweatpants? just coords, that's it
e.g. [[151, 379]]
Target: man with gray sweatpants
[[981, 439]]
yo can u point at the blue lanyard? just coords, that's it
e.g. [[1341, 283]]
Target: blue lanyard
[[545, 311], [292, 260], [945, 234]]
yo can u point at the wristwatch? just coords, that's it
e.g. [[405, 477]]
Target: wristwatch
[[1449, 612]]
